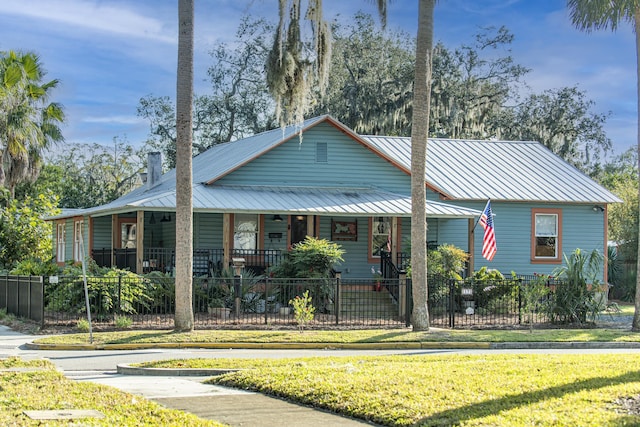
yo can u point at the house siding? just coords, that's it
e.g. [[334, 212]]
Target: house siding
[[101, 232], [581, 228], [349, 164]]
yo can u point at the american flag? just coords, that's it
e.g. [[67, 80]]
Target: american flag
[[489, 247]]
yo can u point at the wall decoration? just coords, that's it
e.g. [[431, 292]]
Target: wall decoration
[[344, 230]]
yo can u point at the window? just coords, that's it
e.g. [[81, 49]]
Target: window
[[380, 236], [60, 252], [245, 231], [322, 152], [546, 239], [128, 235], [77, 241]]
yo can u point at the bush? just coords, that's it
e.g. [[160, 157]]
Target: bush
[[573, 301], [311, 258], [491, 290], [82, 325], [34, 267], [303, 309], [113, 291], [122, 322]]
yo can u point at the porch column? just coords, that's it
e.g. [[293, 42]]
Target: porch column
[[471, 245], [115, 235], [226, 239], [394, 240], [139, 241], [311, 227]]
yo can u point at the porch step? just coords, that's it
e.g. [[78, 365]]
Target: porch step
[[367, 303]]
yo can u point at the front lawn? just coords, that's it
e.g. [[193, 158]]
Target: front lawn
[[37, 385], [486, 390], [344, 337]]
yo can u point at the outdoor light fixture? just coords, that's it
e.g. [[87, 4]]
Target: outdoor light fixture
[[277, 218], [598, 208], [165, 219]]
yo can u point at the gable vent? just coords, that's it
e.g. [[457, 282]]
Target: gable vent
[[321, 152]]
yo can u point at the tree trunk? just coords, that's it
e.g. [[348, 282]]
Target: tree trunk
[[419, 135], [184, 177], [635, 326]]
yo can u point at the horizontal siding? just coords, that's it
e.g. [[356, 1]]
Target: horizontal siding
[[348, 164], [208, 230], [581, 228], [101, 232]]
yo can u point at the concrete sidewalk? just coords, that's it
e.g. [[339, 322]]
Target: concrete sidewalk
[[226, 405], [188, 393]]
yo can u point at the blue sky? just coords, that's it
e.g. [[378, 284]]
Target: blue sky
[[110, 53]]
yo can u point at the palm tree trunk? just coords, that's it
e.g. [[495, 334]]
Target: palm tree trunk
[[184, 200], [419, 135], [636, 317]]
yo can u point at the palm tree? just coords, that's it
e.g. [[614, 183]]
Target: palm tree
[[184, 203], [288, 78], [29, 123], [419, 135], [589, 15]]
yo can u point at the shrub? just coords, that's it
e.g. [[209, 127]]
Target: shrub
[[490, 287], [115, 291], [82, 325], [311, 258], [122, 322], [302, 309], [533, 296], [573, 301], [34, 267]]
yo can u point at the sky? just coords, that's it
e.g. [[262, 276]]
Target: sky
[[108, 54]]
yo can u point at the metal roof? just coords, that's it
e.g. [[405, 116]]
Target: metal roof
[[290, 200], [457, 169], [497, 170], [222, 159]]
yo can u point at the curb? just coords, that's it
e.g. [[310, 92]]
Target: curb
[[126, 369], [426, 345]]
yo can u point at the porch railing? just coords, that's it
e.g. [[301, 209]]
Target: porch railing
[[206, 262]]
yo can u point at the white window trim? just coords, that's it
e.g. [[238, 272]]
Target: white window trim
[[77, 236], [60, 239]]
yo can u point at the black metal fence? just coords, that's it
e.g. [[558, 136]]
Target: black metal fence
[[149, 301], [497, 303]]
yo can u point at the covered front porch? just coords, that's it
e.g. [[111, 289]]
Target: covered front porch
[[262, 224]]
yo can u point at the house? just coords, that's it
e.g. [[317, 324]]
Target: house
[[258, 196]]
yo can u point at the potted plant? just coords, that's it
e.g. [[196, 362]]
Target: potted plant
[[218, 309]]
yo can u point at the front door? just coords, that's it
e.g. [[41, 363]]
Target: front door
[[298, 228]]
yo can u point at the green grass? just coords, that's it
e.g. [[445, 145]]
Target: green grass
[[495, 390], [344, 337], [41, 387]]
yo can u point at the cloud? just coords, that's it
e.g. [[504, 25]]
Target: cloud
[[128, 120], [93, 15]]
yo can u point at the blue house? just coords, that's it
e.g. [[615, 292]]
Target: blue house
[[258, 196]]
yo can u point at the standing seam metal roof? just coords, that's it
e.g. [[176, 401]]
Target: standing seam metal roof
[[497, 170]]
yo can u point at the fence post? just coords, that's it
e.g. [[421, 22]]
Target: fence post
[[452, 303], [404, 303], [266, 300], [237, 290], [520, 302], [119, 293], [336, 303]]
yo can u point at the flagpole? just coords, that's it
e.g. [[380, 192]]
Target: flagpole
[[485, 208]]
